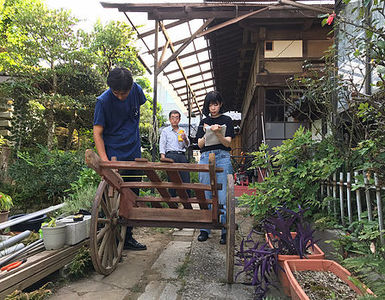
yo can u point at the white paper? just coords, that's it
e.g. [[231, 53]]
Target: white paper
[[210, 136]]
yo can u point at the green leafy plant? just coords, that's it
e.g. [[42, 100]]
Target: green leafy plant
[[81, 265], [5, 202], [294, 174], [81, 199], [50, 223], [52, 173]]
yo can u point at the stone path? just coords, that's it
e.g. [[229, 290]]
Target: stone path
[[174, 268]]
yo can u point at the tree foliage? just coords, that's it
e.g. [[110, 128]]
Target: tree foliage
[[113, 45], [57, 71]]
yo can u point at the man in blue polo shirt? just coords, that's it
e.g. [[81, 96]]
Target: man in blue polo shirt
[[116, 127]]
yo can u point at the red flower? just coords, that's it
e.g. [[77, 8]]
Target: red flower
[[330, 18]]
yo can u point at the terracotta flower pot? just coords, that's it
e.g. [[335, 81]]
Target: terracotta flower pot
[[296, 292], [4, 216], [317, 253]]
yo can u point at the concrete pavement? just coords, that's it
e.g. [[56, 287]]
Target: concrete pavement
[[175, 266]]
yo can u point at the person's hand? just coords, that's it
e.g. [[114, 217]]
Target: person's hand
[[216, 129], [184, 136]]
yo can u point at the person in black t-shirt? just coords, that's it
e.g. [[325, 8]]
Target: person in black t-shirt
[[214, 121]]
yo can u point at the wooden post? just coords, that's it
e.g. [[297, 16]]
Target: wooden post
[[379, 207], [342, 198], [367, 197], [155, 97], [358, 197], [348, 190], [335, 195], [328, 187], [322, 192]]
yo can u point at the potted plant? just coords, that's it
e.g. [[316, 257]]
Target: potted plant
[[54, 234], [290, 244], [5, 205], [321, 279]]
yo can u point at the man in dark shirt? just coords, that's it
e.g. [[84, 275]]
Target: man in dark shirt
[[116, 127]]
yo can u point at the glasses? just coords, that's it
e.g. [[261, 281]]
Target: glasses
[[174, 117]]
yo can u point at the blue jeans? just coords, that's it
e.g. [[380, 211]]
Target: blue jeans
[[222, 160]]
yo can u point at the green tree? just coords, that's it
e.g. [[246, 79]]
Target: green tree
[[35, 41], [112, 45]]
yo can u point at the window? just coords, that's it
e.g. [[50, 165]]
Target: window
[[283, 49], [279, 124], [268, 46]]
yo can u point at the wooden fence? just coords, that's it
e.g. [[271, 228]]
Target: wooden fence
[[354, 197]]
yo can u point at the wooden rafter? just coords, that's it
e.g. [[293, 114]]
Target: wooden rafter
[[190, 76], [232, 21], [184, 45], [188, 67], [197, 90], [177, 52], [194, 83], [174, 43], [151, 32]]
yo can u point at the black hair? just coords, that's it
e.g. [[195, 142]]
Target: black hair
[[120, 79], [212, 97], [173, 112]]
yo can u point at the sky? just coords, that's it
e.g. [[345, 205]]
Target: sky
[[88, 11]]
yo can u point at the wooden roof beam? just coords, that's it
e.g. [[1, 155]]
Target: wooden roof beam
[[150, 32], [306, 6], [197, 90], [232, 21], [192, 84], [188, 67], [185, 44], [190, 76], [175, 44], [177, 52]]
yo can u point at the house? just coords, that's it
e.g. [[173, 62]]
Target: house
[[253, 48]]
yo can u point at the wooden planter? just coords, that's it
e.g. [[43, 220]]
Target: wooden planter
[[296, 292], [316, 254]]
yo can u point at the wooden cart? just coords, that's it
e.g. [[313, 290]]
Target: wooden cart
[[117, 206]]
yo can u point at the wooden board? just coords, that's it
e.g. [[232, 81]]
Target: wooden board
[[36, 268], [168, 214]]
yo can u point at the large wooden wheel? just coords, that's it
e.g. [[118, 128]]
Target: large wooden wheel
[[230, 225], [106, 234]]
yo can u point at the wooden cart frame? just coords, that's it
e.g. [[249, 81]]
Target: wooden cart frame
[[116, 206]]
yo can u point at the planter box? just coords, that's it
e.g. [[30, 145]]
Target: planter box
[[76, 231], [296, 292], [316, 254]]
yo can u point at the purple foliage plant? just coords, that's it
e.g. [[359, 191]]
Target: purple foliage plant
[[258, 262], [279, 227]]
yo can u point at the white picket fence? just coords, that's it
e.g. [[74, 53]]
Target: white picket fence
[[354, 203]]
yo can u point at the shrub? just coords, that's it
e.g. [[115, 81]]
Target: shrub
[[43, 177], [295, 173]]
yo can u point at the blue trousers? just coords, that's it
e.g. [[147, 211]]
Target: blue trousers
[[222, 160]]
